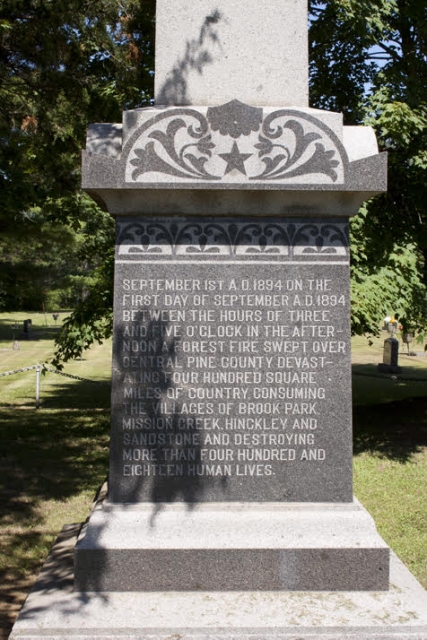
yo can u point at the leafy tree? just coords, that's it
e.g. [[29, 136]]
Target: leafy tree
[[63, 64], [36, 259], [92, 318], [369, 61]]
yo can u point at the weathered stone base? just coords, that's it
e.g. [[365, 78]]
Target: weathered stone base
[[53, 611], [231, 547]]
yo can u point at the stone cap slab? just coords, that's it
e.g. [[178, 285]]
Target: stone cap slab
[[233, 147]]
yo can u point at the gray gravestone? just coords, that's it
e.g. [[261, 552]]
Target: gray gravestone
[[391, 352], [390, 363], [231, 372], [230, 464]]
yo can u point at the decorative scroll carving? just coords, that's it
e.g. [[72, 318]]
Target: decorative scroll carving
[[307, 156], [234, 119], [187, 146], [171, 157], [177, 239]]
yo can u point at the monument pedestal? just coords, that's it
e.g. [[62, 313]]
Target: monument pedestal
[[56, 611], [231, 547]]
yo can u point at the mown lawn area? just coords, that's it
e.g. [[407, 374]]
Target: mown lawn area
[[53, 459], [390, 448]]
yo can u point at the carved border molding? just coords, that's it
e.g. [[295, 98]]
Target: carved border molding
[[242, 241], [234, 143]]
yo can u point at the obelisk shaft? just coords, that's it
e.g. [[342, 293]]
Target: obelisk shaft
[[210, 52]]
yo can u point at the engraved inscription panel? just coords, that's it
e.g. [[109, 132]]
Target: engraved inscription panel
[[231, 373]]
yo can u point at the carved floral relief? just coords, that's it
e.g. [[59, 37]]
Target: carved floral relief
[[234, 143], [232, 240]]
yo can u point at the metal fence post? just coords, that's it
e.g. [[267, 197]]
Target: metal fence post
[[38, 369]]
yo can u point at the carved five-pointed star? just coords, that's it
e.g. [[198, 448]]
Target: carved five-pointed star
[[235, 159]]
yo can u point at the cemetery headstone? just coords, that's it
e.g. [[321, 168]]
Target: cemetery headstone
[[26, 329], [390, 363]]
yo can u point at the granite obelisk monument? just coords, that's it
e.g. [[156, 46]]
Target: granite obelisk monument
[[230, 482], [231, 374]]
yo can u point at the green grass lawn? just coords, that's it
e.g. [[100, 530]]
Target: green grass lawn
[[390, 448], [54, 459]]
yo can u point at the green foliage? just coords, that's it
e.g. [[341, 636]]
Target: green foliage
[[47, 263], [63, 65], [382, 285], [57, 61], [66, 64], [37, 256], [369, 60], [92, 318]]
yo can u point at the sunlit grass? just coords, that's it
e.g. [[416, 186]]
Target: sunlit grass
[[390, 448], [394, 492], [52, 459]]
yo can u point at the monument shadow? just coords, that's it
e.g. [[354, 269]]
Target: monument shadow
[[198, 54], [162, 449]]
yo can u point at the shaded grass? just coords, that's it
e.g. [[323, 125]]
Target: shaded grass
[[390, 462], [51, 463], [394, 492], [52, 460], [396, 430], [390, 449], [50, 455], [370, 387]]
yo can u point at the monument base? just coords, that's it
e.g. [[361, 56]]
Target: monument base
[[54, 611], [231, 547]]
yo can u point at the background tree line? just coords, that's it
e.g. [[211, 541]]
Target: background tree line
[[66, 63], [369, 61]]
